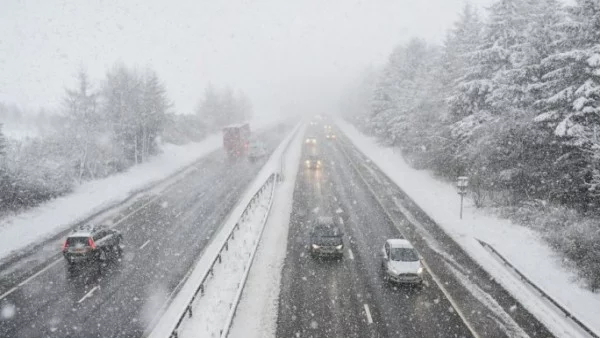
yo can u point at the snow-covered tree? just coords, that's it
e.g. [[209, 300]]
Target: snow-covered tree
[[84, 122]]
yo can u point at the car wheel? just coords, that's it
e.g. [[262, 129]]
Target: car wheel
[[102, 256]]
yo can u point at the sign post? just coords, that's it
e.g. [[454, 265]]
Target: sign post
[[462, 183]]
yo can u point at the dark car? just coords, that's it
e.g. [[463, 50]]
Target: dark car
[[92, 245], [326, 238], [313, 162]]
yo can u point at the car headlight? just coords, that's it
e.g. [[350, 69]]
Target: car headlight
[[314, 141], [420, 271], [393, 271], [339, 247], [314, 246], [318, 162]]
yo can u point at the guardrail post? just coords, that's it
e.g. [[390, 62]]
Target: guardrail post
[[174, 334], [201, 289], [190, 310], [226, 246], [211, 272], [219, 257]]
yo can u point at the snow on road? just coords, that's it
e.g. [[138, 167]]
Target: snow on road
[[34, 225], [522, 246]]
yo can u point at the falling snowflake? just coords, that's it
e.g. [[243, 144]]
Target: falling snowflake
[[8, 311]]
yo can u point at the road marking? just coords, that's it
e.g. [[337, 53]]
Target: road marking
[[369, 318], [8, 293], [350, 255], [89, 294], [145, 243], [434, 277], [135, 211], [451, 300], [40, 272]]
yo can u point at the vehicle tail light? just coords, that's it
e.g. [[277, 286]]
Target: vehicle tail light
[[65, 245], [91, 243]]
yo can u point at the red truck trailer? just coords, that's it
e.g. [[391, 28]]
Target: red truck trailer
[[236, 138]]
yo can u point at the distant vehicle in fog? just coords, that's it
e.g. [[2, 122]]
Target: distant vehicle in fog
[[236, 138], [92, 245], [330, 136], [310, 140], [400, 262], [256, 151], [313, 162]]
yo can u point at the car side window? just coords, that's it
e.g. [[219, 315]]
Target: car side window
[[387, 250], [99, 235]]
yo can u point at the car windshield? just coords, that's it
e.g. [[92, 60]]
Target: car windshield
[[327, 231], [403, 255], [77, 242]]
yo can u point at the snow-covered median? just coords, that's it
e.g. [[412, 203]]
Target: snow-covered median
[[256, 316], [211, 310], [523, 247], [17, 232]]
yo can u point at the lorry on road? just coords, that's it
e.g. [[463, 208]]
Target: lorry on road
[[236, 138]]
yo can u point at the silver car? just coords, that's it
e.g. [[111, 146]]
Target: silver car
[[400, 262]]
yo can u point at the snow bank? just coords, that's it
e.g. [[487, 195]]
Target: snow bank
[[214, 306], [52, 217], [523, 247]]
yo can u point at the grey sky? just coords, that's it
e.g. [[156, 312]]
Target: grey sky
[[286, 55]]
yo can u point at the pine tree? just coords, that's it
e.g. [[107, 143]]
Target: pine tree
[[2, 143], [478, 91], [80, 106], [572, 77], [209, 109]]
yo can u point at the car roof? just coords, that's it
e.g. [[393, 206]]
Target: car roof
[[87, 230], [399, 243]]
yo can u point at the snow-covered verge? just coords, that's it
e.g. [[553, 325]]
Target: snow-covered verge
[[213, 308], [39, 223], [520, 245], [176, 303], [256, 316]]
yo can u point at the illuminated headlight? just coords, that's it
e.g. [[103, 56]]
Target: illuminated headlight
[[319, 162], [339, 247], [393, 271], [307, 141], [314, 141], [420, 271], [314, 246]]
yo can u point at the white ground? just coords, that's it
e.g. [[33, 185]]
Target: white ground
[[16, 232], [256, 316], [44, 221], [522, 246], [177, 302]]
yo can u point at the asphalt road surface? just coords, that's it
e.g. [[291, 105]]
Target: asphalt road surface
[[162, 239], [348, 297]]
